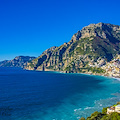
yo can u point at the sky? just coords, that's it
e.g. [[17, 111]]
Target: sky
[[28, 27]]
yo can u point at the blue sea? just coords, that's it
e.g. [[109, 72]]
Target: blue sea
[[35, 95]]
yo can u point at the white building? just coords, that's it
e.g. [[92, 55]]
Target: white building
[[113, 109]]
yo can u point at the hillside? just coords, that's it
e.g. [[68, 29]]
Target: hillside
[[104, 115], [19, 61], [88, 51]]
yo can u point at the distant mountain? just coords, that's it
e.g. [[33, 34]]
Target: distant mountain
[[19, 61], [3, 62], [87, 52]]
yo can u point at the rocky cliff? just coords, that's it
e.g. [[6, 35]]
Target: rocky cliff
[[87, 52], [19, 61]]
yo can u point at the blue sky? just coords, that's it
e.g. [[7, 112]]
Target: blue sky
[[28, 27]]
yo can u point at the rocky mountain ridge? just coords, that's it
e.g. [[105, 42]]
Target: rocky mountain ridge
[[19, 61], [87, 52]]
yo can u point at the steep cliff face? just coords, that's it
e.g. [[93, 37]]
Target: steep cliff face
[[19, 61], [87, 51]]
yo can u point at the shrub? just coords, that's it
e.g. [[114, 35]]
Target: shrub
[[104, 110], [82, 118], [114, 116]]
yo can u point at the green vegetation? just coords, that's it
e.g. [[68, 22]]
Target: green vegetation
[[104, 110], [31, 65], [100, 116], [84, 46], [79, 50], [50, 67], [72, 68], [68, 68], [71, 53], [82, 118], [95, 116], [103, 115], [118, 103], [73, 46], [86, 40], [96, 70]]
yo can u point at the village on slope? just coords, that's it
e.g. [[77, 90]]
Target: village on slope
[[113, 67]]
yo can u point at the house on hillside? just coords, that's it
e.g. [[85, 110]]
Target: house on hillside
[[113, 109]]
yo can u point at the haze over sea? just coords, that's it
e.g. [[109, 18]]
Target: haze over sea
[[35, 95]]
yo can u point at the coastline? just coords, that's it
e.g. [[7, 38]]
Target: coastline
[[118, 78]]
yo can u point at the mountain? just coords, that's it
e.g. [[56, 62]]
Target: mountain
[[87, 52], [19, 61]]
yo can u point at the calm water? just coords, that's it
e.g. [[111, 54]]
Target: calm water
[[32, 95]]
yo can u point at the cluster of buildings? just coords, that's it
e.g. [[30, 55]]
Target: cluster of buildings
[[113, 68]]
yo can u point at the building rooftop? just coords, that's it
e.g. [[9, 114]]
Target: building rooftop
[[118, 106]]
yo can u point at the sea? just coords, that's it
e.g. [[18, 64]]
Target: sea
[[39, 95]]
